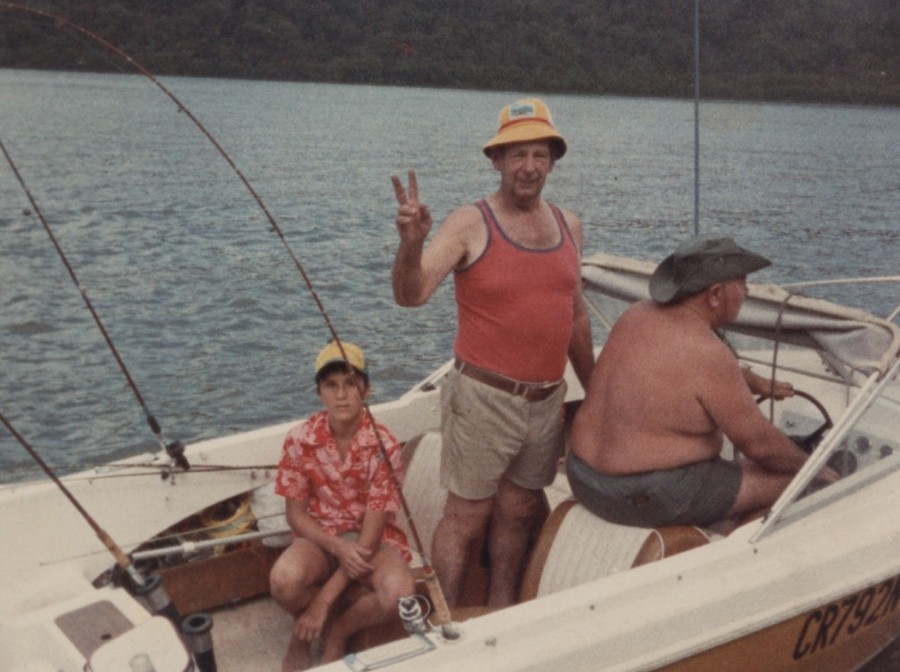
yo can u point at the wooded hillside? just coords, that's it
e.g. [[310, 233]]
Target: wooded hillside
[[804, 50]]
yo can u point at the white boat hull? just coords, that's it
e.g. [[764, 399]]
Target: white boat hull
[[815, 586]]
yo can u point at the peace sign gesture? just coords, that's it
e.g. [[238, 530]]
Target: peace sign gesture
[[413, 217]]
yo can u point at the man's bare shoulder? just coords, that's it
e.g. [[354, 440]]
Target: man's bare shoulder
[[570, 216], [665, 328], [637, 333], [460, 237], [464, 218], [707, 351], [573, 221], [717, 370], [643, 315]]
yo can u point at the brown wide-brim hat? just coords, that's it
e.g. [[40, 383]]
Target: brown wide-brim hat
[[699, 263], [526, 120]]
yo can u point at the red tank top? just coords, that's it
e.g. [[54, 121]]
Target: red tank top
[[515, 304]]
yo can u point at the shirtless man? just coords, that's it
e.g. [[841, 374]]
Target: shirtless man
[[515, 260], [664, 391]]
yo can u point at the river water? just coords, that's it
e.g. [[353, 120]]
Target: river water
[[210, 314]]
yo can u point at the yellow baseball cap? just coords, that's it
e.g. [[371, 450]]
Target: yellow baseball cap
[[526, 120], [331, 354]]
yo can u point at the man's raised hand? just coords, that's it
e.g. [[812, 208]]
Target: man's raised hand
[[413, 218]]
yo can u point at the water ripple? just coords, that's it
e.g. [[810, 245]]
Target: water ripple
[[211, 316]]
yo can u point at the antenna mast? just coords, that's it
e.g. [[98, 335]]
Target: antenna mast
[[696, 117]]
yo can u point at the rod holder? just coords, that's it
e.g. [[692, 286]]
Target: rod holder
[[155, 598], [196, 630]]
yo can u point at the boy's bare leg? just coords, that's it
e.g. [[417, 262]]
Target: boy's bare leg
[[390, 580], [293, 582]]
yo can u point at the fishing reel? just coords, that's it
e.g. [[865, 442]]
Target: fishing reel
[[175, 450]]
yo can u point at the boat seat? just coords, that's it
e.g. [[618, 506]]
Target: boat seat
[[575, 546], [426, 497], [421, 487]]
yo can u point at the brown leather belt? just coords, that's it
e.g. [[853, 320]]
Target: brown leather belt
[[528, 391]]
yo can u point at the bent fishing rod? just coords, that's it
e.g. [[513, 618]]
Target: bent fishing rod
[[441, 609], [122, 560], [175, 449], [209, 136], [150, 589]]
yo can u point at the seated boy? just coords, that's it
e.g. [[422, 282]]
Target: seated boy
[[341, 503]]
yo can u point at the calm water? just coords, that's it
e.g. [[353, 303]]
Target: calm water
[[205, 305]]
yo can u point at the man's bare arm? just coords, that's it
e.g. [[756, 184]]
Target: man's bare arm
[[730, 404], [581, 345], [417, 271]]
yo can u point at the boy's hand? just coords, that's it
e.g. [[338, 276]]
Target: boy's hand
[[354, 559], [310, 624]]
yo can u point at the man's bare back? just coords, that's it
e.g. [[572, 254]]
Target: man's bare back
[[644, 410]]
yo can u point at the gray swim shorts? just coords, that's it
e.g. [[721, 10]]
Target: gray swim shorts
[[695, 494]]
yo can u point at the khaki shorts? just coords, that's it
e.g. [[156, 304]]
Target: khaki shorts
[[489, 434]]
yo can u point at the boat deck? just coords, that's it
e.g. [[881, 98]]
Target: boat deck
[[252, 635]]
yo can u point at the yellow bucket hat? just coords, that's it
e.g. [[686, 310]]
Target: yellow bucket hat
[[526, 120], [331, 354]]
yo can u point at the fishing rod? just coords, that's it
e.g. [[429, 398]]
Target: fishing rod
[[441, 609], [121, 559], [175, 449], [209, 136], [150, 589]]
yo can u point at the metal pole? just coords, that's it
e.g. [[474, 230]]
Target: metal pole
[[696, 117]]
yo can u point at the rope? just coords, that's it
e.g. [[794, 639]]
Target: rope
[[779, 321]]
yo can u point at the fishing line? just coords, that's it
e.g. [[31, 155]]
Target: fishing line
[[441, 609], [174, 449], [146, 469]]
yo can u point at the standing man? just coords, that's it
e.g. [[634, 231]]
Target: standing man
[[515, 259], [666, 390]]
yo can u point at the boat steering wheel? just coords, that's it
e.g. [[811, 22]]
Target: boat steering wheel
[[809, 442]]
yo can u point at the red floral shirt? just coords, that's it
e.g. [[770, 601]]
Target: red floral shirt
[[340, 491]]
